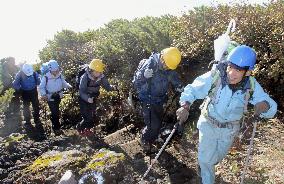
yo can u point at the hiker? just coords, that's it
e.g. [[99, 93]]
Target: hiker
[[9, 71], [151, 82], [51, 90], [227, 90], [25, 83], [44, 69], [90, 83]]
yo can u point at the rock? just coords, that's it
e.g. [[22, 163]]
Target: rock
[[105, 165], [68, 178]]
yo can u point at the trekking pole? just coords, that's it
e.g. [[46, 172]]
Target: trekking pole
[[249, 151], [161, 150]]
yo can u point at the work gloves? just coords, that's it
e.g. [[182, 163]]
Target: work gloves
[[148, 73], [261, 107], [182, 114], [180, 89], [91, 100]]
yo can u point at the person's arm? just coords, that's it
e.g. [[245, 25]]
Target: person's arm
[[65, 84], [106, 85], [83, 87], [42, 86], [140, 75], [17, 82], [264, 105], [197, 90], [37, 79], [175, 81]]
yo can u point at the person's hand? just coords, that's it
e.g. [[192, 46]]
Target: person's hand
[[180, 89], [261, 107], [182, 114], [114, 87], [90, 100], [148, 73], [44, 98]]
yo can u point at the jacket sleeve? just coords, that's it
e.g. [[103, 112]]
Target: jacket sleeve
[[258, 96], [198, 89], [175, 80], [106, 85], [64, 83], [17, 81], [37, 79], [42, 86], [83, 87], [140, 79]]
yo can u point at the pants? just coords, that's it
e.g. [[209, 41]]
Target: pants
[[214, 144], [152, 115], [55, 113], [87, 111], [30, 96]]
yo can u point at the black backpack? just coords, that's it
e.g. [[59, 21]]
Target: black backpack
[[82, 70]]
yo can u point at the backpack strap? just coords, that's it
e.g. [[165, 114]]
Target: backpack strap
[[249, 93]]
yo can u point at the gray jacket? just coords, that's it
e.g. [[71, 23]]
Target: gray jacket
[[90, 87]]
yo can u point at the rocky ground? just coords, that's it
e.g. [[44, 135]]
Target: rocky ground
[[116, 156]]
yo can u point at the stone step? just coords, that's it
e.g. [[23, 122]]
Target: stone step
[[121, 136]]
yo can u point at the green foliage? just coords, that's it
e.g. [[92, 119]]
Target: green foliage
[[121, 44], [5, 96], [258, 26]]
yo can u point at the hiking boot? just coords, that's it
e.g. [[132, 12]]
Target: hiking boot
[[86, 132]]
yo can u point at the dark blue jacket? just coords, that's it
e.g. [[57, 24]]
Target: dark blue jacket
[[156, 93], [24, 82]]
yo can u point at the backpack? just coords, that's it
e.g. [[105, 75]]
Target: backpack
[[82, 71], [140, 67]]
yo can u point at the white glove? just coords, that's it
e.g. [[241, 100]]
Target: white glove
[[180, 89], [182, 114], [90, 100], [148, 73]]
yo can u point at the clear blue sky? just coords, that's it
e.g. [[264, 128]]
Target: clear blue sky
[[27, 24]]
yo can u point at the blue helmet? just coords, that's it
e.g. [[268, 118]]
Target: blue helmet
[[44, 68], [53, 65], [243, 56]]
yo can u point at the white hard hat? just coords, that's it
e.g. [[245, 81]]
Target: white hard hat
[[53, 65], [28, 69]]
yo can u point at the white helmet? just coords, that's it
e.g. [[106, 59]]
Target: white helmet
[[28, 69]]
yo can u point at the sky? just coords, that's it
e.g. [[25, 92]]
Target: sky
[[26, 25]]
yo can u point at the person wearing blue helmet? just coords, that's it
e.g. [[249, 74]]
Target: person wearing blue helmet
[[51, 89], [227, 90]]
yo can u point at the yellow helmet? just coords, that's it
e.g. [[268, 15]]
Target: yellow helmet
[[171, 57], [97, 65]]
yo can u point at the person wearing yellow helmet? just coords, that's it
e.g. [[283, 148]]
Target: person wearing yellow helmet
[[89, 90], [151, 81]]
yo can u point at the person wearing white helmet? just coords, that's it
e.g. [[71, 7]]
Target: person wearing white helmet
[[26, 82], [51, 90]]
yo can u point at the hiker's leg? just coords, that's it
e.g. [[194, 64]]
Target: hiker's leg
[[86, 113], [26, 107], [54, 109], [207, 150], [151, 131], [35, 105]]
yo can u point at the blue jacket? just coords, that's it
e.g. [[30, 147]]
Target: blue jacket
[[160, 82], [24, 82], [228, 105], [54, 84]]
